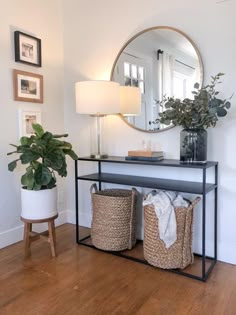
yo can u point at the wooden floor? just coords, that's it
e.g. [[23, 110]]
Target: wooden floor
[[85, 281]]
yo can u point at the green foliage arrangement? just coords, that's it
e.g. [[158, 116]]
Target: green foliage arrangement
[[202, 111], [43, 154]]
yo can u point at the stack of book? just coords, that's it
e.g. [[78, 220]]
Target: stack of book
[[145, 155]]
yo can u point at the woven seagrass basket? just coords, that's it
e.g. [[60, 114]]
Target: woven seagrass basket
[[114, 218], [179, 254]]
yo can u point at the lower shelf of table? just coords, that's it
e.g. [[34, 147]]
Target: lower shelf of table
[[136, 254]]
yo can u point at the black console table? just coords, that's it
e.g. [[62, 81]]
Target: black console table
[[207, 263]]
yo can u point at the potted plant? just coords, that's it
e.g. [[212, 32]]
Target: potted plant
[[195, 116], [43, 155]]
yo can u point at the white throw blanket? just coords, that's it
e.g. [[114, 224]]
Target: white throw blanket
[[164, 203]]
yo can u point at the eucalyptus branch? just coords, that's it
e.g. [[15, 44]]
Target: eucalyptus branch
[[203, 111]]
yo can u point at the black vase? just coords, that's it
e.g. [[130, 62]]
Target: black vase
[[193, 146]]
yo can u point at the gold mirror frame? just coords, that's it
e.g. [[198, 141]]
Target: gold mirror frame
[[134, 37]]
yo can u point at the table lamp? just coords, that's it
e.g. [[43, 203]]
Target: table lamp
[[130, 101], [97, 99]]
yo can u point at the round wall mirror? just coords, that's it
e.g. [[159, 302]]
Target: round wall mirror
[[163, 62]]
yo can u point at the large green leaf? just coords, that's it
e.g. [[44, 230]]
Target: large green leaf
[[38, 130], [47, 136], [55, 161], [61, 136], [42, 175], [62, 171], [12, 165], [52, 183], [37, 186], [26, 141], [72, 154], [35, 164], [67, 145], [28, 179], [55, 143], [29, 156], [10, 153]]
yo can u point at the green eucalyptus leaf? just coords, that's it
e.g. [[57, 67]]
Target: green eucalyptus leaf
[[221, 112], [227, 105], [200, 112], [213, 111], [166, 122]]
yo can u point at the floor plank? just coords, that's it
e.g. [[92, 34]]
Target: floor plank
[[81, 280]]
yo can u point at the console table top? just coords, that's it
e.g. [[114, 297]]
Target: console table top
[[165, 162]]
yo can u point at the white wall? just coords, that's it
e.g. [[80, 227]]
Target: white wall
[[43, 20], [93, 34]]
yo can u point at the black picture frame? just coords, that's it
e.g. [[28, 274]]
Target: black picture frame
[[27, 49]]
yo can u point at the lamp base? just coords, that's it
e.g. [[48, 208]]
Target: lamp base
[[99, 155]]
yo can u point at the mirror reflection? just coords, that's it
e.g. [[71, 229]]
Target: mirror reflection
[[162, 61]]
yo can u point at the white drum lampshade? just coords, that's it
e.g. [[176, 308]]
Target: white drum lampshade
[[130, 100], [97, 98]]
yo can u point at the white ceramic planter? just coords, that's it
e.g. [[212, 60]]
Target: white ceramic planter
[[40, 204]]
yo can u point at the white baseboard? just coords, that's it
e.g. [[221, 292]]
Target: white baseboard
[[226, 252], [15, 235], [11, 236]]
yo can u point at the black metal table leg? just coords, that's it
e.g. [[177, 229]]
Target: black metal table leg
[[216, 206], [204, 225], [99, 172], [76, 202]]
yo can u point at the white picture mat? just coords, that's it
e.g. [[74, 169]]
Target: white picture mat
[[28, 49], [26, 118], [33, 82]]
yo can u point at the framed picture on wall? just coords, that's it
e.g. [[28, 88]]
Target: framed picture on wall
[[26, 119], [27, 49], [28, 87]]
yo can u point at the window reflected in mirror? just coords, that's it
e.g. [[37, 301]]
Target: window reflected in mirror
[[162, 62]]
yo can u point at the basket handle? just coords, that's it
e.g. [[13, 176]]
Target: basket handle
[[195, 201], [133, 209], [93, 187]]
